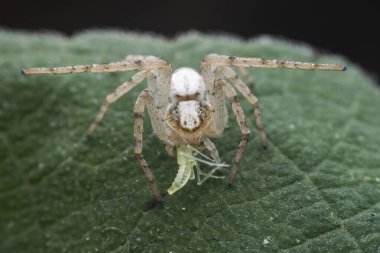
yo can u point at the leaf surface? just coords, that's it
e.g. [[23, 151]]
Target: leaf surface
[[316, 189]]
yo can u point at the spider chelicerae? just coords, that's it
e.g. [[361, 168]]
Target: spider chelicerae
[[186, 108]]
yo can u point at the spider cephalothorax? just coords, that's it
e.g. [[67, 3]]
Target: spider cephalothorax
[[188, 116], [189, 120], [193, 115]]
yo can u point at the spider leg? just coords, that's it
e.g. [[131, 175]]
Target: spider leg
[[230, 93], [144, 98], [145, 63], [252, 99], [111, 98], [213, 151], [224, 60], [158, 76], [134, 57], [249, 80], [169, 147]]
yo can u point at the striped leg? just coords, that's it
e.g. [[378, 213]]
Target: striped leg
[[111, 98], [243, 89], [225, 60], [144, 63], [248, 78], [230, 93], [144, 98]]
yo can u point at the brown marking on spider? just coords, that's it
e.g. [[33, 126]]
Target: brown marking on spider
[[196, 111]]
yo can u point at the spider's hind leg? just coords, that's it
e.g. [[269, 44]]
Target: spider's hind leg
[[252, 99], [247, 77], [118, 93]]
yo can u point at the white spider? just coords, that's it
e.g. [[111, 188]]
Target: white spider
[[185, 107]]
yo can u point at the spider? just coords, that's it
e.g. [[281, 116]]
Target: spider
[[186, 107]]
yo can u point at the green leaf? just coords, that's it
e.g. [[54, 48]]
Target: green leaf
[[316, 189]]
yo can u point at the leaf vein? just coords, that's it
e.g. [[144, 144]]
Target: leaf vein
[[311, 182]]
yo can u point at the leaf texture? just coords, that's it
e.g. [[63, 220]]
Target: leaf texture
[[316, 188]]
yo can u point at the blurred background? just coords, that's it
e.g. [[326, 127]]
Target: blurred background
[[343, 27]]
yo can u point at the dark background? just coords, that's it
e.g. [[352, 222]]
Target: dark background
[[343, 27]]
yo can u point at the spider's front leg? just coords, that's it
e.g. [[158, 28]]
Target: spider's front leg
[[230, 93], [144, 98], [244, 62]]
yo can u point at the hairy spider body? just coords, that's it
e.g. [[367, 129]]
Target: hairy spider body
[[188, 116], [186, 108]]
